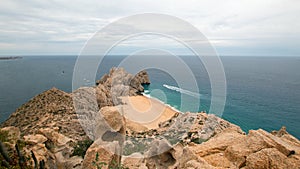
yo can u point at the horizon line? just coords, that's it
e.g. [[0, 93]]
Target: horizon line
[[43, 55]]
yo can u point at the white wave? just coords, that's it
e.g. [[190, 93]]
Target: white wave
[[183, 91], [146, 91], [146, 95], [175, 108]]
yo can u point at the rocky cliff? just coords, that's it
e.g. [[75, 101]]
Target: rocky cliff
[[54, 131]]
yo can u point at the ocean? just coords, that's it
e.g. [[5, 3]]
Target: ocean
[[262, 92]]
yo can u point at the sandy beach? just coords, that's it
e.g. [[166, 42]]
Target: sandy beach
[[148, 112]]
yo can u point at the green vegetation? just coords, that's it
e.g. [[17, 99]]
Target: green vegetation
[[198, 140], [49, 145], [137, 146], [15, 159], [100, 164], [4, 136], [81, 147]]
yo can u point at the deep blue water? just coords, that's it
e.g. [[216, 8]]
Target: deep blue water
[[262, 92]]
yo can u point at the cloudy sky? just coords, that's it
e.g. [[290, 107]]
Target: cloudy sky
[[234, 27]]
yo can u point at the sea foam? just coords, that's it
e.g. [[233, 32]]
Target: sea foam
[[183, 91]]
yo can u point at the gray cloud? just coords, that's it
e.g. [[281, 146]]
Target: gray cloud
[[63, 26]]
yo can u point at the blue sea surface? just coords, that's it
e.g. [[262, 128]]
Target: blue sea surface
[[262, 92]]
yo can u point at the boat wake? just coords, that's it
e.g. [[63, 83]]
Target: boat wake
[[183, 91]]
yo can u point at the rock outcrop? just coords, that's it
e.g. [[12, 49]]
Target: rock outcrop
[[226, 149], [102, 155], [258, 149], [50, 109], [119, 83]]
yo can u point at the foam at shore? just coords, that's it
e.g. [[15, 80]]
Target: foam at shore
[[171, 107]]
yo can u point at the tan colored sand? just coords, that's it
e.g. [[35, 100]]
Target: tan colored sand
[[145, 111]]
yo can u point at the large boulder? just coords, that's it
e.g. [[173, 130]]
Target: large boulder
[[255, 141], [258, 149], [270, 158], [35, 138], [162, 155], [95, 121], [213, 150], [59, 140], [189, 160], [110, 125]]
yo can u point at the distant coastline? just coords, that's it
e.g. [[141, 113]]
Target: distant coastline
[[10, 57]]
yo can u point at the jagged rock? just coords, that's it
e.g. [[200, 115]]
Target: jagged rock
[[218, 143], [110, 124], [218, 160], [35, 139], [104, 97], [177, 156], [55, 137], [258, 149], [284, 135], [74, 162], [281, 145], [53, 148], [280, 132], [208, 125], [143, 77], [135, 83], [159, 147], [187, 159], [254, 142], [102, 154], [96, 122], [120, 83], [134, 161], [59, 148], [195, 127], [213, 149], [42, 153], [270, 158], [113, 117]]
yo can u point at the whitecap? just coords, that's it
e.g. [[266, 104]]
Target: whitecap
[[183, 91]]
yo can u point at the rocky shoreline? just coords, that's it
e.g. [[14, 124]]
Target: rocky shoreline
[[10, 57], [56, 129]]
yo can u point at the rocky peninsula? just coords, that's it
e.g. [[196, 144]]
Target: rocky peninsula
[[10, 57], [108, 126]]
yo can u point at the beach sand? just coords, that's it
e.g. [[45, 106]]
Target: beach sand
[[143, 113]]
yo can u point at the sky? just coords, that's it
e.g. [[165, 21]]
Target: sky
[[233, 27]]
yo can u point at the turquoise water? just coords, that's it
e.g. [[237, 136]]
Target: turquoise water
[[262, 92]]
